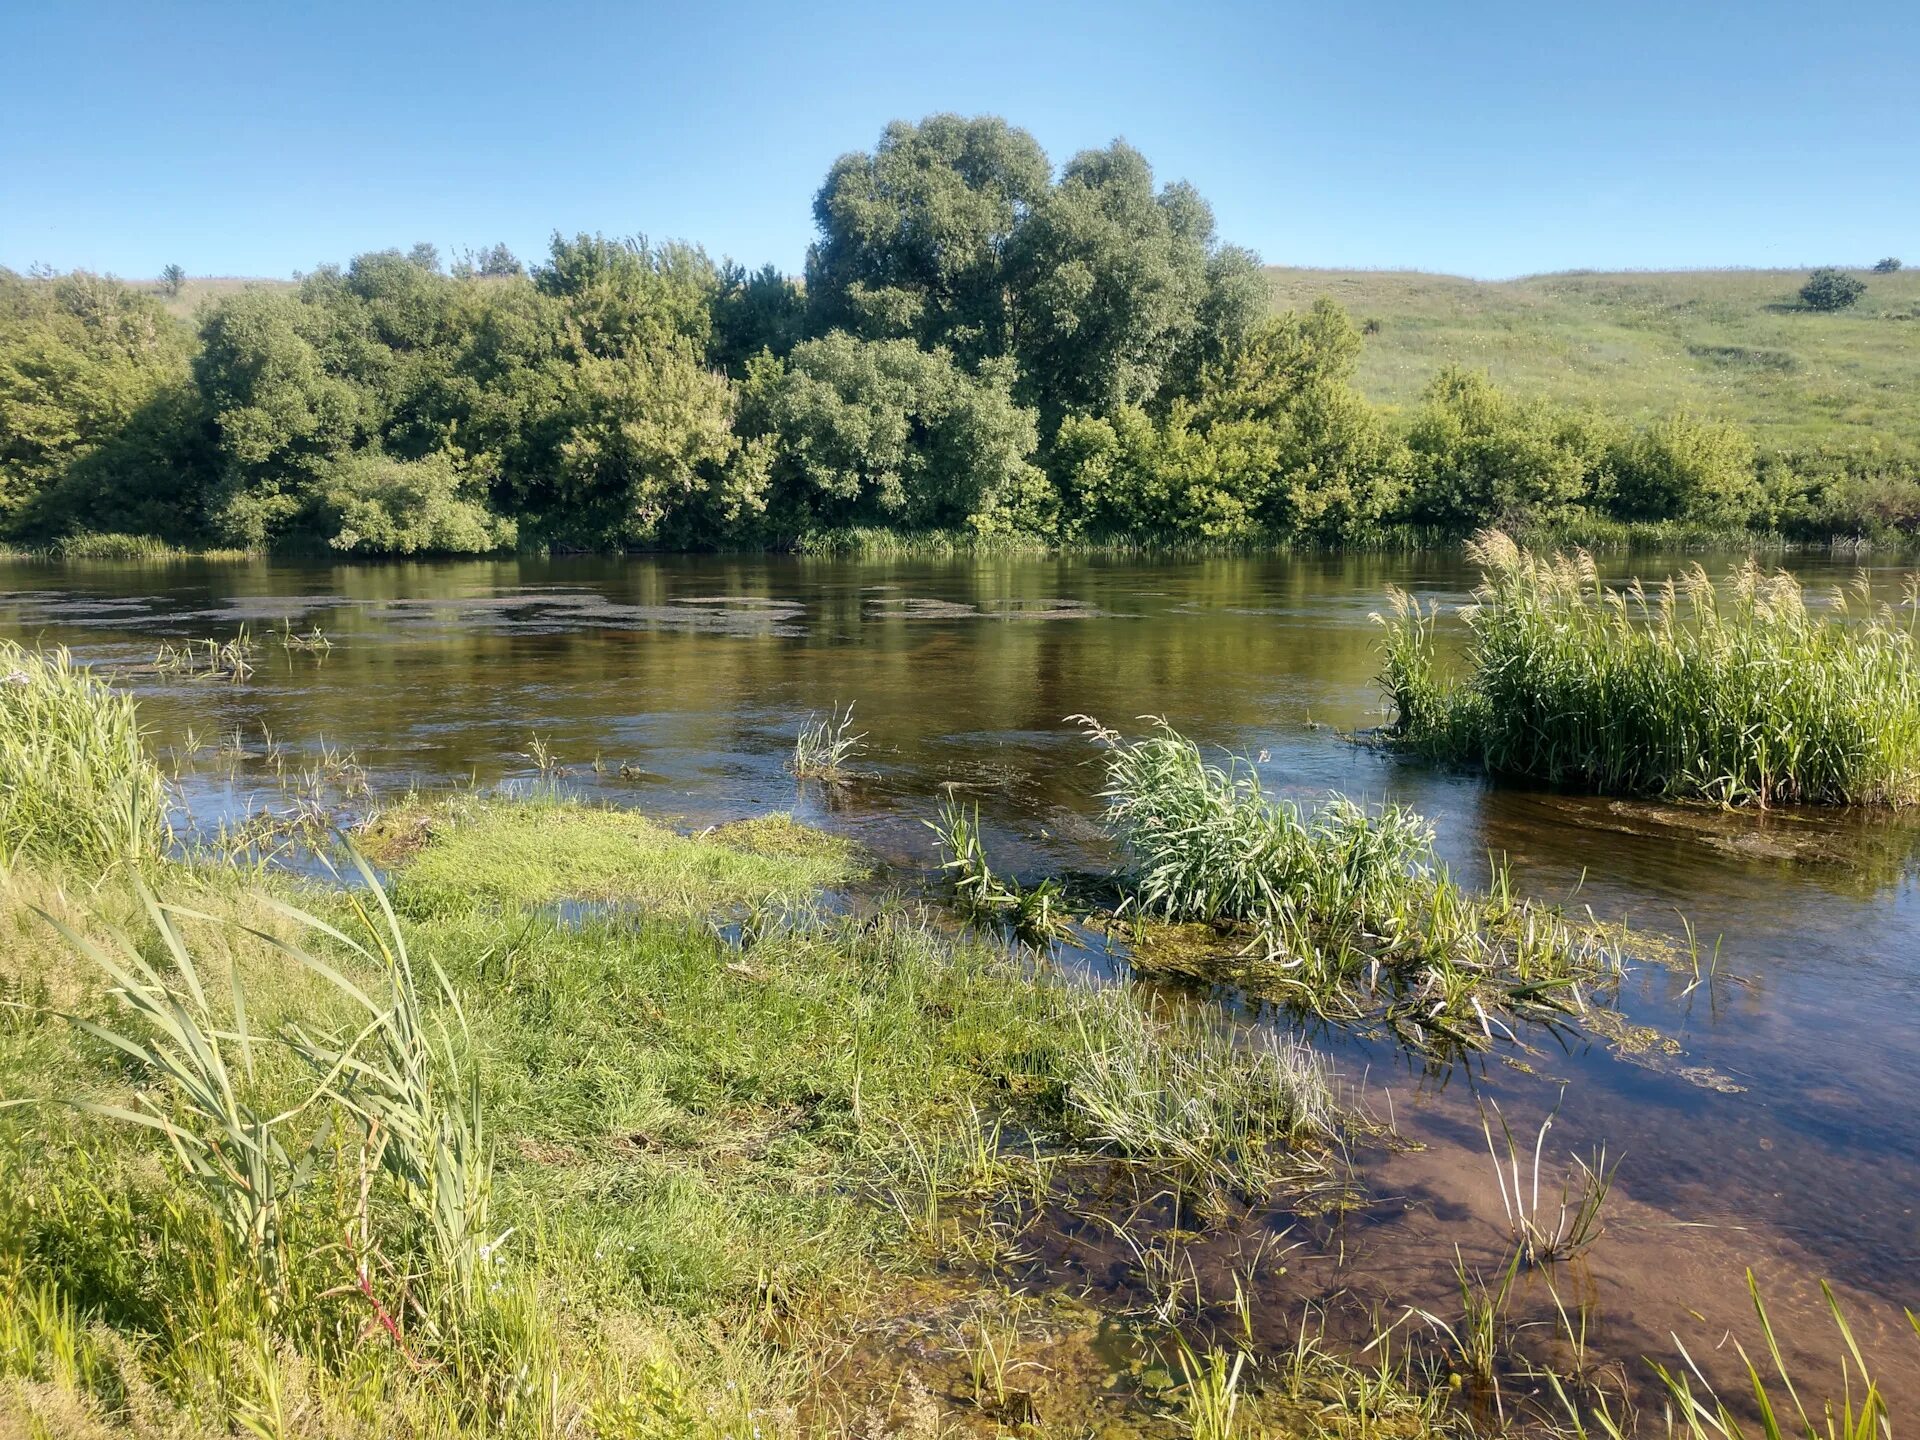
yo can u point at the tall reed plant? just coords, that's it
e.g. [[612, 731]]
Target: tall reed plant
[[1341, 905], [1735, 692], [76, 781]]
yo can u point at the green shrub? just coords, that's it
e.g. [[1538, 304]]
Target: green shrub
[[1684, 467], [1479, 455], [1887, 266], [1830, 289], [76, 784], [1734, 693]]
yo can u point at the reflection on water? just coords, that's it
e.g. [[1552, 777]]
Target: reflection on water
[[1784, 1136]]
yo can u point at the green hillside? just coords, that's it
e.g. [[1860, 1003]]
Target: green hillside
[[1733, 343]]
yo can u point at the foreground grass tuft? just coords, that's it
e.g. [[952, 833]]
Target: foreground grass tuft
[[76, 782], [1735, 693]]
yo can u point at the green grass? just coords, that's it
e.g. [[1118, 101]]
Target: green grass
[[1729, 343], [1734, 692], [279, 1159], [544, 849], [76, 782], [463, 1167], [1343, 909]]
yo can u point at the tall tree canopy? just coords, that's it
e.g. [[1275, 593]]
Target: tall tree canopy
[[1121, 291], [913, 237]]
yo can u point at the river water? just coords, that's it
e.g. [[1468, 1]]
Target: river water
[[1783, 1136]]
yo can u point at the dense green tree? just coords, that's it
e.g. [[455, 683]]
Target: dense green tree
[[914, 236], [881, 432], [623, 295], [496, 262], [754, 311], [1120, 291], [1275, 441], [1480, 456], [81, 357], [172, 278], [1830, 289], [279, 419], [626, 446], [1887, 266]]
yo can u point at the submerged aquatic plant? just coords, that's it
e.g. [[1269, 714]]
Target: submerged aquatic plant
[[1736, 693], [1035, 912], [1337, 905], [826, 746], [76, 782], [313, 640], [209, 659], [1574, 1225]]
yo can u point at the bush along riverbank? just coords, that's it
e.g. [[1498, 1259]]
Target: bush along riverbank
[[1734, 692], [564, 1123]]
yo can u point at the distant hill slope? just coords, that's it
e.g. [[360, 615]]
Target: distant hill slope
[[1733, 343], [201, 290]]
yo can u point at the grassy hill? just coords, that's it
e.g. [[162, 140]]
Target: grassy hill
[[206, 290], [1732, 343]]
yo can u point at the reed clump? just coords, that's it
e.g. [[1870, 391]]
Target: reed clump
[[1344, 907], [1734, 692], [826, 748], [76, 782]]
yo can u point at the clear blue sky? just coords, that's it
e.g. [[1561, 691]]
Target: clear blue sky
[[1485, 139]]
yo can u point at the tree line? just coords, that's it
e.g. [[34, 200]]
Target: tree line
[[979, 344]]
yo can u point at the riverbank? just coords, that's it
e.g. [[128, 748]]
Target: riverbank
[[1599, 534]]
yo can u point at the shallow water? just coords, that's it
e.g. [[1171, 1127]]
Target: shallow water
[[1785, 1136]]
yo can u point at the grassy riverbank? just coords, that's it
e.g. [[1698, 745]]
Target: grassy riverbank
[[1593, 532]]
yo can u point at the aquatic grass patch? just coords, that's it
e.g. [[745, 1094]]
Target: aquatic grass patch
[[1342, 907], [208, 659], [1769, 1405], [76, 781], [1574, 1225], [1035, 912], [1254, 1111], [540, 849], [1734, 692], [827, 746], [115, 545]]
